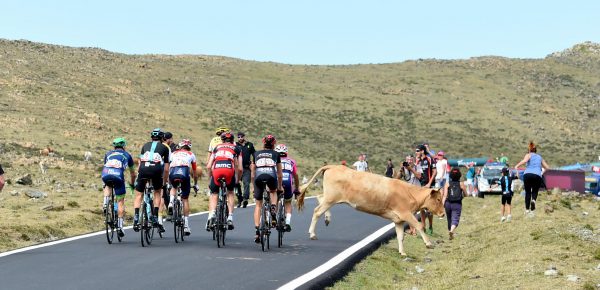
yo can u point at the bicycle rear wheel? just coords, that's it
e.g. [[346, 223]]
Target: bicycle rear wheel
[[219, 223], [280, 222], [261, 230], [143, 223], [109, 221], [176, 222]]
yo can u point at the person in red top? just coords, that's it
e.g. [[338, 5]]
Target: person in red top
[[224, 162]]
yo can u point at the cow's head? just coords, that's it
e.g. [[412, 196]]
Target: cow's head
[[434, 204]]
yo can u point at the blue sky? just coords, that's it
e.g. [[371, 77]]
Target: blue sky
[[309, 32]]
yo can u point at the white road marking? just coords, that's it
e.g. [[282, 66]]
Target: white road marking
[[336, 260]]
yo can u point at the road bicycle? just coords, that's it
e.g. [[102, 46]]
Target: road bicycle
[[177, 218], [219, 227], [280, 219], [264, 228], [146, 215]]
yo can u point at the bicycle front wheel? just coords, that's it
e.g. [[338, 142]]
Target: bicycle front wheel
[[177, 222]]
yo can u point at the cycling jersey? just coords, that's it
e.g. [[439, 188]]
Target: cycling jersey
[[224, 156], [289, 170], [179, 170], [115, 163], [153, 157], [265, 162], [213, 143]]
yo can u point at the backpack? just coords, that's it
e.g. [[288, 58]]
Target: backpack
[[506, 185], [455, 193]]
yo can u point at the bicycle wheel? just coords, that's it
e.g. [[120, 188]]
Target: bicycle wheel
[[149, 232], [109, 221], [143, 223], [261, 230], [176, 222], [225, 215], [280, 222], [116, 223], [219, 223]]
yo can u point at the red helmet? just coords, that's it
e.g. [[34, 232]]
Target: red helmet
[[269, 140], [185, 142], [227, 136]]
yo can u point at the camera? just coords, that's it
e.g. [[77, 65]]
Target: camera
[[405, 164]]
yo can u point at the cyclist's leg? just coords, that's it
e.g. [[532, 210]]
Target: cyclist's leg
[[213, 186], [137, 201], [258, 196], [287, 195], [185, 194], [230, 184]]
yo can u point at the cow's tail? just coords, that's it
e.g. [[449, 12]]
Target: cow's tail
[[304, 188]]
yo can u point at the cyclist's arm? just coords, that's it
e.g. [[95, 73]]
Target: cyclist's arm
[[194, 173], [279, 176], [209, 164], [238, 168]]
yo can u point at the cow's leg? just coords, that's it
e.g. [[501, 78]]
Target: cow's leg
[[327, 213], [410, 219], [319, 210], [400, 236]]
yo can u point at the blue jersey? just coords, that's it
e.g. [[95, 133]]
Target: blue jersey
[[115, 163]]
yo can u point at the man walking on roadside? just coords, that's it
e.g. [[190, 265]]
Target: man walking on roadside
[[247, 149]]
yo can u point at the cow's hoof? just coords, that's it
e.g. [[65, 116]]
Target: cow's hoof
[[327, 222], [429, 246], [313, 237]]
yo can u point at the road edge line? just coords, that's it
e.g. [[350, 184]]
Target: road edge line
[[359, 250], [83, 236]]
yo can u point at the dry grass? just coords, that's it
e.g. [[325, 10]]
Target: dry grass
[[487, 254]]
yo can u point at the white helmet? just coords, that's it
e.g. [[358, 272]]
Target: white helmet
[[282, 149]]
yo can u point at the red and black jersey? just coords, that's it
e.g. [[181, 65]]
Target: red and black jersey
[[226, 152]]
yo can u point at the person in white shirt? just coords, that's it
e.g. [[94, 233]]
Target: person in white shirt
[[441, 167], [361, 164]]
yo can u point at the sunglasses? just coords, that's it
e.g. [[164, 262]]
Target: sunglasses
[[417, 151]]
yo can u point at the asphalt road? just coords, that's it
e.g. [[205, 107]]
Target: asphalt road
[[197, 263]]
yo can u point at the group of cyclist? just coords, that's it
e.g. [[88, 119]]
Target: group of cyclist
[[164, 164]]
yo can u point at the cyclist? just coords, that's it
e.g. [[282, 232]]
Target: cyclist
[[215, 141], [265, 167], [116, 161], [224, 162], [154, 165], [181, 162], [167, 140], [290, 181]]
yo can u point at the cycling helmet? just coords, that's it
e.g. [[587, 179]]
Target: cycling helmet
[[220, 130], [157, 133], [119, 142], [227, 137], [282, 149], [185, 143], [269, 140], [168, 135]]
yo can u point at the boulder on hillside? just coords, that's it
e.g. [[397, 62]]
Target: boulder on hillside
[[25, 180], [32, 193]]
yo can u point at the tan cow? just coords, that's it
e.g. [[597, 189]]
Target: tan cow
[[389, 198]]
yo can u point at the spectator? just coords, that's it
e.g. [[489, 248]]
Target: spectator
[[408, 171], [507, 193], [470, 178], [389, 170], [169, 141], [453, 194], [440, 172], [503, 158], [1, 178], [532, 177], [361, 164], [247, 149], [426, 175]]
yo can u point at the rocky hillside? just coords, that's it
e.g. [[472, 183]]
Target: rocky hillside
[[78, 99]]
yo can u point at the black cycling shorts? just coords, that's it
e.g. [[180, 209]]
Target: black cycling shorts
[[259, 184], [153, 173], [506, 199]]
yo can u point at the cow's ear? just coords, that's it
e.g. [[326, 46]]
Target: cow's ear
[[433, 192]]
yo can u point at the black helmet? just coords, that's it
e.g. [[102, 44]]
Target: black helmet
[[157, 134], [168, 135]]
